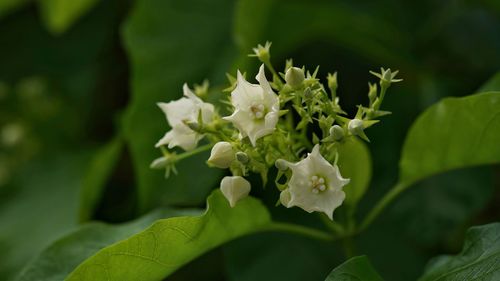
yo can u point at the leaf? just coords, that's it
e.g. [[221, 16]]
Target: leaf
[[493, 84], [168, 244], [167, 49], [355, 269], [478, 260], [261, 257], [41, 209], [98, 173], [7, 6], [355, 163], [454, 133], [65, 254], [59, 15]]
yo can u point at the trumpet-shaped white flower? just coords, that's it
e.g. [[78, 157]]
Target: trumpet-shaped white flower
[[256, 107], [178, 112], [234, 189], [315, 185]]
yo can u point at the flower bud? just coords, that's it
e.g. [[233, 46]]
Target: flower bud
[[262, 52], [294, 77], [242, 157], [308, 93], [281, 164], [337, 133], [193, 125], [221, 155], [372, 93], [332, 81], [159, 163], [355, 127], [234, 189]]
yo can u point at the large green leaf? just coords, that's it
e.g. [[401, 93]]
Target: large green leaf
[[98, 173], [64, 255], [479, 259], [355, 269], [169, 244], [43, 207], [166, 49], [59, 15], [355, 163], [493, 84], [454, 133]]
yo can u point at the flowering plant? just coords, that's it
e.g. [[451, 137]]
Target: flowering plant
[[292, 122]]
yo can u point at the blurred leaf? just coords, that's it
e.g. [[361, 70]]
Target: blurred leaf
[[354, 269], [98, 173], [7, 6], [334, 21], [166, 49], [479, 259], [454, 133], [357, 166], [42, 207], [493, 84], [169, 244], [59, 15], [263, 257], [65, 254]]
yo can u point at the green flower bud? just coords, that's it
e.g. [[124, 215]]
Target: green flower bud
[[332, 81], [193, 125], [242, 157], [294, 77], [159, 163], [372, 93], [221, 155], [308, 94], [262, 52], [337, 133]]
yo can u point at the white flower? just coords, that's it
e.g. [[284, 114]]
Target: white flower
[[185, 109], [256, 107], [222, 155], [315, 185], [234, 189]]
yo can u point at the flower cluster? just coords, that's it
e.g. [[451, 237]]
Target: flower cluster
[[291, 122]]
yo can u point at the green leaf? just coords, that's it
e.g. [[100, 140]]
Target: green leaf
[[167, 49], [65, 254], [478, 260], [355, 163], [7, 6], [168, 244], [42, 207], [98, 173], [59, 15], [454, 133], [493, 84], [355, 269]]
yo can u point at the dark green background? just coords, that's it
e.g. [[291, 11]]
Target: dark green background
[[83, 95]]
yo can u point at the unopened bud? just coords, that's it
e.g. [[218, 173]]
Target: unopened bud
[[242, 157], [308, 93], [294, 77], [234, 189], [159, 163], [281, 164], [337, 132], [355, 127], [332, 81], [372, 93], [262, 52], [221, 155]]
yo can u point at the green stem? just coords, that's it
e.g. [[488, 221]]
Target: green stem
[[271, 68], [380, 206], [348, 245], [193, 152], [331, 225], [300, 230]]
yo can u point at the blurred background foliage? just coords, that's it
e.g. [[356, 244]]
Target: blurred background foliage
[[79, 81]]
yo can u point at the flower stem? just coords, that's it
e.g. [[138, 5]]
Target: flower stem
[[331, 225], [193, 152], [300, 230], [380, 206]]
